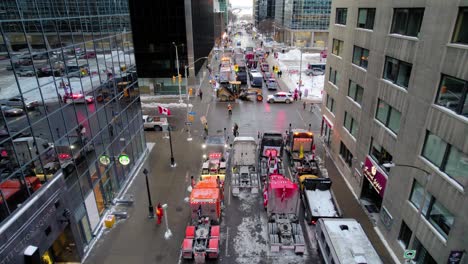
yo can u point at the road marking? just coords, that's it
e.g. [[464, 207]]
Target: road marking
[[229, 198], [227, 241], [207, 109]]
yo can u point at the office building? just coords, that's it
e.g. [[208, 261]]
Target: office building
[[190, 25], [70, 127], [302, 23], [395, 117]]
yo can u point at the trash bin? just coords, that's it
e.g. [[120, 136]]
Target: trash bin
[[109, 221]]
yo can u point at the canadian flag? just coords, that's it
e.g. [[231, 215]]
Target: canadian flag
[[164, 111]]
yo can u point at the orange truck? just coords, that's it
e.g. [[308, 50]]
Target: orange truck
[[202, 235]]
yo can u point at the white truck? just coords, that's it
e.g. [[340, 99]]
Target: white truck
[[243, 163], [154, 122]]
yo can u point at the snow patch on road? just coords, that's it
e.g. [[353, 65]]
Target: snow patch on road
[[247, 201], [251, 240]]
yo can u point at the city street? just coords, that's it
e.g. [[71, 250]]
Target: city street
[[244, 238]]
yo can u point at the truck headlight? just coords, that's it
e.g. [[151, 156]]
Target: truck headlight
[[203, 145], [225, 145], [204, 156]]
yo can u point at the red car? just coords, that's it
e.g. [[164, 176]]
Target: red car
[[78, 98]]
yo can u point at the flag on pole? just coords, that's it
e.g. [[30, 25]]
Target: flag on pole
[[164, 111], [301, 152]]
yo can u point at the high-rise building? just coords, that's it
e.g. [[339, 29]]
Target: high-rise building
[[395, 115], [262, 10], [189, 25], [302, 23], [70, 126]]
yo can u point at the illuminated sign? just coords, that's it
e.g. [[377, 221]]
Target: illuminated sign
[[377, 179]]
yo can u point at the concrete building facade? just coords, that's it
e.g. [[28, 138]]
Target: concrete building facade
[[395, 117]]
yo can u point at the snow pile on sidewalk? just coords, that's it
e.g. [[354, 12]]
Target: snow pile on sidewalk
[[166, 105], [289, 63]]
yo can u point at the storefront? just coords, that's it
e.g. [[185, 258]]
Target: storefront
[[373, 186], [326, 130]]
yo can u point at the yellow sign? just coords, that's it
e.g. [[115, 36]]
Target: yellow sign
[[191, 118]]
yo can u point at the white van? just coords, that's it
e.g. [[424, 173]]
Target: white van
[[343, 241]]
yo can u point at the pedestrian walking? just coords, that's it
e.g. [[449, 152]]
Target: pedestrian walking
[[280, 73], [304, 105], [159, 213], [200, 94], [300, 95], [192, 181], [206, 128]]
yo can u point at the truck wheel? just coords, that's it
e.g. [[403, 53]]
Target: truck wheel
[[259, 98]]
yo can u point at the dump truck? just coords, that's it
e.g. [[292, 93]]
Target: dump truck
[[281, 201], [300, 149], [270, 153], [244, 167], [318, 198], [214, 157], [202, 235]]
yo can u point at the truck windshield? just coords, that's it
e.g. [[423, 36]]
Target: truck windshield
[[273, 141]]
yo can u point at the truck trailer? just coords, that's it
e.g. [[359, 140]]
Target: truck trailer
[[244, 165]]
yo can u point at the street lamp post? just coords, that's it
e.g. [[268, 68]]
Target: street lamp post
[[300, 71], [173, 164], [421, 205], [150, 206], [178, 73], [189, 137], [168, 233]]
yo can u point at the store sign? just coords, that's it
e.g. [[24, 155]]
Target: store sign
[[104, 160], [377, 179], [124, 159]]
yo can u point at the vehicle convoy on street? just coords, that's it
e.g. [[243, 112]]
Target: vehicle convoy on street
[[214, 158], [154, 122], [344, 241], [244, 165], [318, 199], [270, 153], [202, 235], [281, 198]]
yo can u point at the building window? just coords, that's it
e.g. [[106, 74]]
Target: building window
[[346, 154], [380, 155], [355, 91], [337, 47], [389, 116], [360, 56], [417, 196], [453, 94], [446, 157], [334, 76], [397, 71], [330, 103], [407, 21], [439, 216], [422, 256], [405, 235], [366, 18], [350, 124], [460, 35], [341, 14]]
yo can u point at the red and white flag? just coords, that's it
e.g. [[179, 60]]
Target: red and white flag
[[164, 111]]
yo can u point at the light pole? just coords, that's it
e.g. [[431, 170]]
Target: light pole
[[178, 73], [189, 137], [300, 71], [173, 164], [168, 233], [150, 206], [421, 204]]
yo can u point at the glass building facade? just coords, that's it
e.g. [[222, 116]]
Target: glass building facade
[[69, 95]]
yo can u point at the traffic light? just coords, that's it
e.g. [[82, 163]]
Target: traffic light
[[190, 91], [173, 79]]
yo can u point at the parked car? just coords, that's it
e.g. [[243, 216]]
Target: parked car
[[75, 74], [77, 98], [154, 122], [20, 102], [280, 97], [314, 72], [25, 72], [272, 84], [11, 111]]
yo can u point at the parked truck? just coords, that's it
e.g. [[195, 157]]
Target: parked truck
[[155, 122], [214, 157], [281, 199], [300, 148], [270, 153], [244, 167], [202, 236], [318, 199]]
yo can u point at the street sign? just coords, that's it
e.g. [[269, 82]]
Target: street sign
[[409, 254], [188, 123], [124, 159], [192, 113]]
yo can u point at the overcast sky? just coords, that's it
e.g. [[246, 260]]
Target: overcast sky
[[241, 3]]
